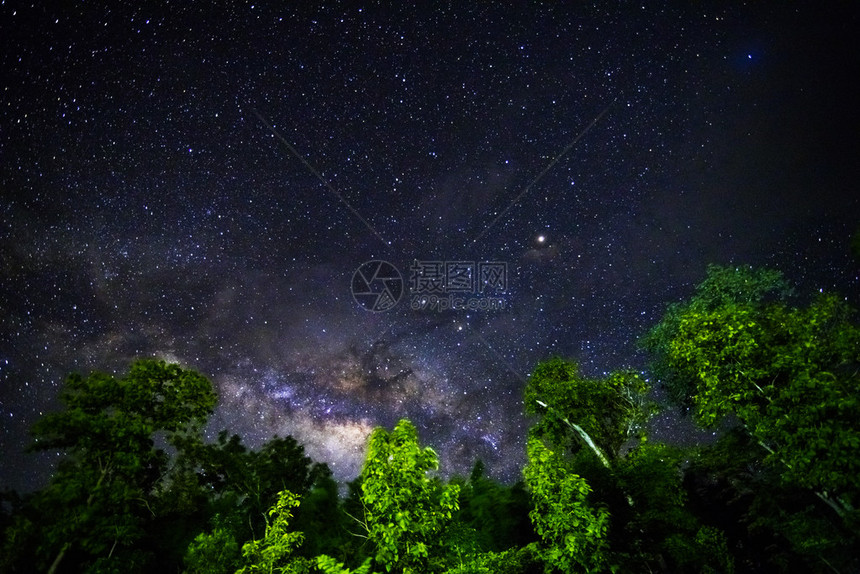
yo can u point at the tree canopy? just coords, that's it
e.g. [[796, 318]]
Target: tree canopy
[[139, 487], [406, 513], [98, 501], [788, 374]]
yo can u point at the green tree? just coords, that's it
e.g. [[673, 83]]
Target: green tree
[[498, 514], [331, 566], [215, 552], [275, 552], [521, 560], [18, 533], [241, 485], [345, 539], [99, 500], [722, 286], [661, 531], [602, 413], [788, 375], [573, 531], [320, 517], [590, 424], [406, 513], [772, 526], [244, 488]]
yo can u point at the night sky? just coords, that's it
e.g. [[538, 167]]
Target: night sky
[[201, 185]]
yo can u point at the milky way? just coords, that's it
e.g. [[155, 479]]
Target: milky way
[[202, 185]]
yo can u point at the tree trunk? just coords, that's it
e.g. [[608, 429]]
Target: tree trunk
[[588, 441], [59, 558]]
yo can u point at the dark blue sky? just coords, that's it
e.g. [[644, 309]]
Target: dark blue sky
[[146, 209]]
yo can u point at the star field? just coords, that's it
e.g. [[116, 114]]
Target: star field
[[201, 184]]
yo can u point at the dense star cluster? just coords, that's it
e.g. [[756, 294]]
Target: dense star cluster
[[200, 185]]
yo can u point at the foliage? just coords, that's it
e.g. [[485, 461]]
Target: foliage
[[245, 483], [572, 531], [661, 529], [771, 525], [604, 413], [104, 413], [521, 560], [722, 286], [99, 500], [347, 540], [275, 552], [18, 543], [331, 566], [647, 525], [406, 513], [215, 552], [496, 514], [320, 517], [597, 494], [790, 376]]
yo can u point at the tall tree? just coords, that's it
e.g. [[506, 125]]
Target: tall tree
[[588, 424], [789, 375], [406, 512], [98, 501]]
